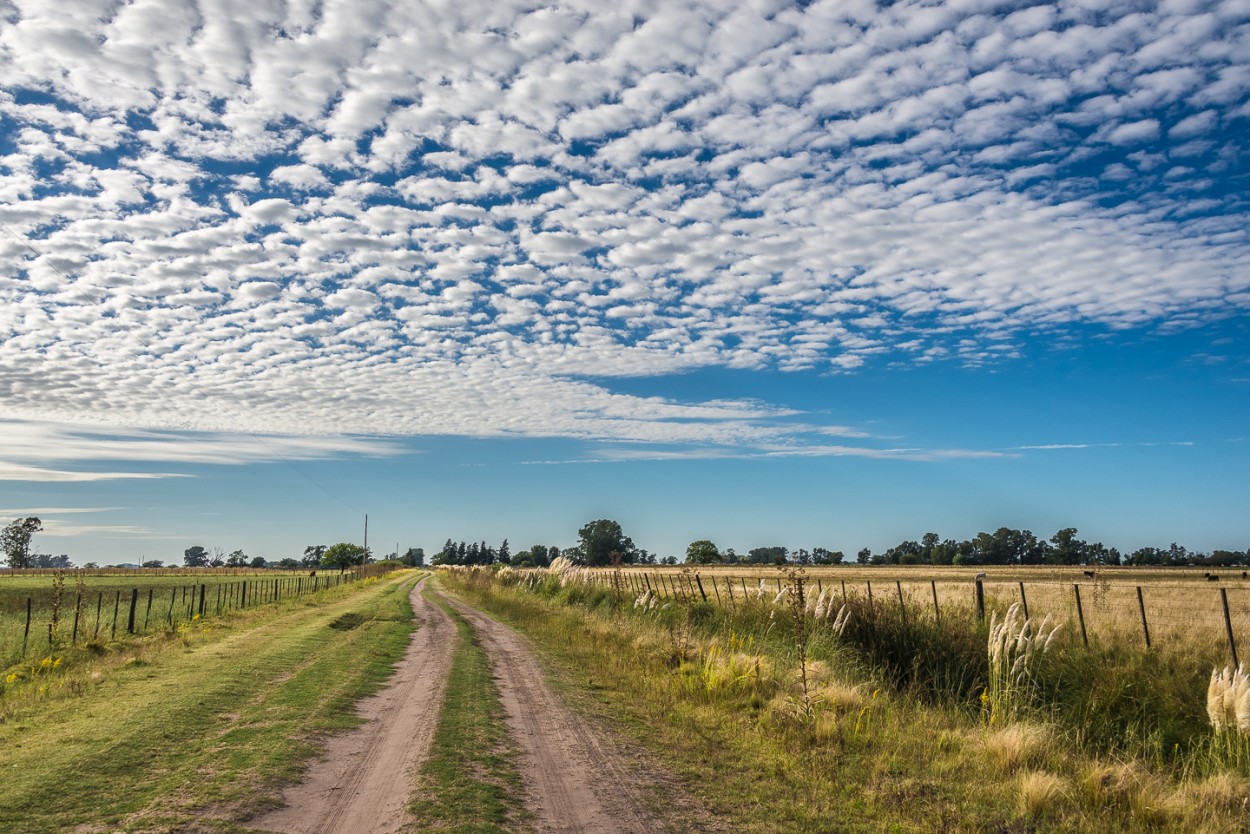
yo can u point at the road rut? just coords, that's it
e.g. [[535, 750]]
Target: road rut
[[577, 781], [362, 783]]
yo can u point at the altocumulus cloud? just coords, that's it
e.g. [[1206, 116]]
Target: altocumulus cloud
[[362, 217]]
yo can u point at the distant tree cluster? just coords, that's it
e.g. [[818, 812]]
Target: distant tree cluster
[[474, 553], [704, 552], [314, 556], [1006, 546]]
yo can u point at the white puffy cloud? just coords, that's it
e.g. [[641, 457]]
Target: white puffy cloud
[[404, 218]]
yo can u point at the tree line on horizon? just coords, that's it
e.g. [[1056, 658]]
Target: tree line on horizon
[[603, 542]]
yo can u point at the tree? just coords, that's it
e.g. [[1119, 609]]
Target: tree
[[237, 559], [864, 555], [312, 555], [825, 556], [195, 557], [259, 562], [1068, 549], [774, 555], [287, 563], [15, 540], [154, 563], [599, 538], [217, 558], [343, 555], [47, 560], [414, 557], [702, 552], [505, 554]]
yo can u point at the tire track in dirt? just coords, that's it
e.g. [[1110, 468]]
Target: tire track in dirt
[[578, 781], [362, 783]]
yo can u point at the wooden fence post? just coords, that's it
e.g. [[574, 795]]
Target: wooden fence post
[[1080, 613], [99, 603], [1228, 625], [117, 603], [26, 634], [1141, 606], [902, 609], [1024, 601], [702, 593], [148, 613], [77, 608], [872, 612], [134, 602], [937, 612], [980, 595]]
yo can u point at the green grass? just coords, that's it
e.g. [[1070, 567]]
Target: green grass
[[101, 600], [470, 783], [200, 732]]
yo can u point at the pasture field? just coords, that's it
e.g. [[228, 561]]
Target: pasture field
[[91, 606], [781, 716], [197, 730], [1181, 607]]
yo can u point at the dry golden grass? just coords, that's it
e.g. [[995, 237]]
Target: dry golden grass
[[1181, 605], [1041, 793], [1018, 745]]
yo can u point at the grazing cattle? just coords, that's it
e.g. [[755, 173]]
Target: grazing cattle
[[312, 573], [1090, 574], [1212, 578]]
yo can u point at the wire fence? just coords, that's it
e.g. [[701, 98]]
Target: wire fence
[[1161, 613], [39, 622]]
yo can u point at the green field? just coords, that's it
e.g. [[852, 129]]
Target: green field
[[199, 729], [93, 609]]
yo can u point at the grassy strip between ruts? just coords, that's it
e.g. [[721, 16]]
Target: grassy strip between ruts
[[199, 735], [470, 782]]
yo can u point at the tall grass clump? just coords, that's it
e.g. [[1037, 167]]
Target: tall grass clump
[[1228, 711], [1015, 649], [939, 661]]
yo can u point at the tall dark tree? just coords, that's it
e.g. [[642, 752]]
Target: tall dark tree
[[1068, 549], [15, 540], [195, 557], [313, 554], [599, 538], [702, 552], [505, 554]]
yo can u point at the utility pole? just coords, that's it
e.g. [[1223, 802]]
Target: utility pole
[[366, 532]]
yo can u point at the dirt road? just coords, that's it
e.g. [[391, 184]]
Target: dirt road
[[362, 783], [577, 781]]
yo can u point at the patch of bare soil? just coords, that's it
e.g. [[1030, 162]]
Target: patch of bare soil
[[579, 780], [361, 784]]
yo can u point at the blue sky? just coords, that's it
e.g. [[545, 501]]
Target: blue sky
[[826, 274]]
